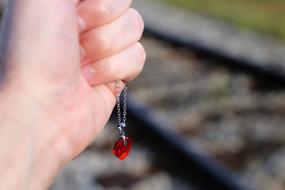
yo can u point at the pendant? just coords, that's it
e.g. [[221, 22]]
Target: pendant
[[122, 147]]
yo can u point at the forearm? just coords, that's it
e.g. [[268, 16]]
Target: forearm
[[26, 162], [14, 160]]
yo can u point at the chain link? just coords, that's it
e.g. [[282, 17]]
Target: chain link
[[125, 104], [118, 101], [121, 120]]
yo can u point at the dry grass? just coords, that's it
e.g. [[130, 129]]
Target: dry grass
[[263, 15]]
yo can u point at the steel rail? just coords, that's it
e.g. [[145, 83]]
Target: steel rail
[[262, 72], [173, 154]]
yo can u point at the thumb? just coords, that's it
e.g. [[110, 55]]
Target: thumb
[[41, 36]]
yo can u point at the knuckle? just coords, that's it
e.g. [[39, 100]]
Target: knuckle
[[95, 41], [110, 67], [101, 41], [103, 11]]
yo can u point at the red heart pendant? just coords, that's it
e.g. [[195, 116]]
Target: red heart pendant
[[122, 147]]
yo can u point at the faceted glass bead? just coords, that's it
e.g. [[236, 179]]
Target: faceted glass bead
[[121, 149]]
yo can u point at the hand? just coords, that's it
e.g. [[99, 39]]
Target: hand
[[60, 61]]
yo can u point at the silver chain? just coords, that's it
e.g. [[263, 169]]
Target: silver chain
[[122, 120]]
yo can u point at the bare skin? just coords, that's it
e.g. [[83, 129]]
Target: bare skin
[[60, 60]]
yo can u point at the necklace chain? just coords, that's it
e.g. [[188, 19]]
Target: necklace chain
[[122, 117]]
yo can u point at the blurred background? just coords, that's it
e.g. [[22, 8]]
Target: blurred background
[[208, 111]]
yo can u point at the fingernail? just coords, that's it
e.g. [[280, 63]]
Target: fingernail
[[139, 18], [142, 50], [82, 24], [88, 72]]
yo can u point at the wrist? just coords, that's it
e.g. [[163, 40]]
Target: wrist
[[28, 159]]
